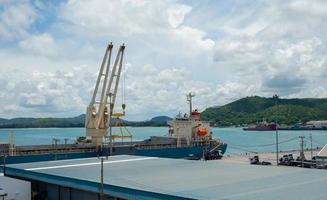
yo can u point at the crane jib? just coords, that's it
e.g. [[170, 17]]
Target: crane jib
[[98, 114]]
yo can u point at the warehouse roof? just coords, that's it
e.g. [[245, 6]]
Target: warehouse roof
[[137, 177]]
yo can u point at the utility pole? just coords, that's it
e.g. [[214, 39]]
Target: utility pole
[[66, 142], [275, 97], [4, 164], [110, 122], [12, 147], [55, 144], [101, 187], [311, 145], [302, 150]]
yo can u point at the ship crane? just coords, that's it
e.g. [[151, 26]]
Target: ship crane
[[100, 110]]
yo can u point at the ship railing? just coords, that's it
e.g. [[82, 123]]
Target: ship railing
[[159, 146], [60, 149]]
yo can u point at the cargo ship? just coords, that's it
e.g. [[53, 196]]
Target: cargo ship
[[187, 131], [262, 126], [188, 136]]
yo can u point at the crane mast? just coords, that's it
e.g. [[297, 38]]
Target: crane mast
[[99, 111]]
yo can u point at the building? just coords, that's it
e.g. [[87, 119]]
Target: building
[[317, 124], [137, 177]]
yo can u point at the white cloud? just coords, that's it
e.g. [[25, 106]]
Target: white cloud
[[116, 17], [313, 7], [279, 46], [233, 90], [148, 69], [193, 39], [44, 93], [15, 20], [165, 93], [42, 44], [176, 14], [220, 50], [157, 23]]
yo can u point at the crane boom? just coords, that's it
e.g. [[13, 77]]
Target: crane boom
[[97, 119]]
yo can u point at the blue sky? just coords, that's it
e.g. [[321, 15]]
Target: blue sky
[[50, 53]]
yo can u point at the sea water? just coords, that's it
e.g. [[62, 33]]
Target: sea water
[[238, 141]]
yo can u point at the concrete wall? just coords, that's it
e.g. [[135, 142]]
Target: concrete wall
[[16, 189]]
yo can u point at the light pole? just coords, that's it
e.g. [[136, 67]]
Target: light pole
[[311, 145], [110, 125], [302, 150], [4, 164], [55, 146], [275, 97], [101, 188]]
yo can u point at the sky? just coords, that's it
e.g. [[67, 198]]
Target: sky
[[222, 50]]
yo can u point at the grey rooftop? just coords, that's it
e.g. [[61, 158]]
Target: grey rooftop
[[138, 177]]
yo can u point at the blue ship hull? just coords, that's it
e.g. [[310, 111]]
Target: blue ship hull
[[165, 152], [177, 152]]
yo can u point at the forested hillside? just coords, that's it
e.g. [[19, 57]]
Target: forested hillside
[[252, 109]]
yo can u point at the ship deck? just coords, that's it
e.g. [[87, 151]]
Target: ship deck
[[137, 177]]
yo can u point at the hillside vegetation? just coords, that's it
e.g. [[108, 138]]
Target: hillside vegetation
[[78, 121], [250, 110], [244, 111], [42, 122]]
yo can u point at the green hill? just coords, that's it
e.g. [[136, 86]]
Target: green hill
[[71, 122], [42, 122], [252, 109]]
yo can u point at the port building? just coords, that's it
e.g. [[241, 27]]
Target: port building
[[138, 177], [317, 124]]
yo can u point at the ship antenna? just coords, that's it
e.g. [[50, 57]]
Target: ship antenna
[[189, 99]]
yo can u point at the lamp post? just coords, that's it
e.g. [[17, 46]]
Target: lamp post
[[110, 125], [275, 97], [101, 188], [311, 145], [4, 164]]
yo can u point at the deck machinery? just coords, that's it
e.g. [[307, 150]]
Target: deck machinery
[[99, 113]]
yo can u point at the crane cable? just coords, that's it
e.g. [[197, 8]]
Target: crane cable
[[313, 140], [242, 149], [271, 144], [123, 85], [123, 102]]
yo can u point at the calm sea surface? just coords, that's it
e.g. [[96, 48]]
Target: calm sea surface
[[238, 141]]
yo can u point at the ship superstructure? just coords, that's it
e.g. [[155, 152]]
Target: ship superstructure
[[190, 128]]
